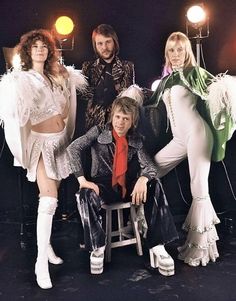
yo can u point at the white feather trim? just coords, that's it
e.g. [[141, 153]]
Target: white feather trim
[[222, 96], [134, 92], [77, 78], [16, 95]]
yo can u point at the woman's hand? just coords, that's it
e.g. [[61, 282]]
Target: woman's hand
[[139, 193], [87, 184]]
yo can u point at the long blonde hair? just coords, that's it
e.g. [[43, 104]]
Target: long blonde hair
[[184, 40]]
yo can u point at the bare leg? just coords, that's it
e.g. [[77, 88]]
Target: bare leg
[[47, 186]]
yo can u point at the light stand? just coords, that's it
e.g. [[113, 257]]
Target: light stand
[[62, 31], [198, 38], [197, 27], [198, 51], [9, 56]]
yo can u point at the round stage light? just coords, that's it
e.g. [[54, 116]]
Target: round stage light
[[196, 14], [64, 25]]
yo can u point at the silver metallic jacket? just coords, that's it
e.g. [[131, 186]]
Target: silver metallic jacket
[[102, 148]]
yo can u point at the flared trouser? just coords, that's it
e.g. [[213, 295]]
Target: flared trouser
[[161, 227], [200, 246]]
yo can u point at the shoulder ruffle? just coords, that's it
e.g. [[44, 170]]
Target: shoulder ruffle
[[16, 95], [222, 96], [134, 92], [77, 78]]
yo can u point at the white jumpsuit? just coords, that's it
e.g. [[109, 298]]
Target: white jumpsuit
[[192, 138]]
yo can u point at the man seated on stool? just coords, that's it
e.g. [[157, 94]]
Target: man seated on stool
[[116, 177]]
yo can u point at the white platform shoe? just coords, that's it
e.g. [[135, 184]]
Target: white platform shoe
[[160, 259], [97, 260]]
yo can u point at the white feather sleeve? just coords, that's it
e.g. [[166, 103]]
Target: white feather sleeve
[[221, 99], [135, 92], [77, 78], [16, 94]]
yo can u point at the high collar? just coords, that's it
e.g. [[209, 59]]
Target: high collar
[[101, 61], [115, 61], [178, 69]]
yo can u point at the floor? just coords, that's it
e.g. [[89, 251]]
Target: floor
[[127, 277]]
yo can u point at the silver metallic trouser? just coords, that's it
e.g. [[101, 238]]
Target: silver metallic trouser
[[161, 228]]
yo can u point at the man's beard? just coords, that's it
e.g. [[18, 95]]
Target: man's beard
[[107, 57]]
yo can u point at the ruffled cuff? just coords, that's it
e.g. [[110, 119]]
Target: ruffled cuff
[[200, 246]]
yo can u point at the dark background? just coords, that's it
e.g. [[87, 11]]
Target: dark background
[[142, 28]]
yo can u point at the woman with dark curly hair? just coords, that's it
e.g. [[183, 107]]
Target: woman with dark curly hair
[[37, 107]]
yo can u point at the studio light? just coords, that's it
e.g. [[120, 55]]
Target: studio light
[[197, 26], [64, 25], [63, 32], [196, 15], [12, 59]]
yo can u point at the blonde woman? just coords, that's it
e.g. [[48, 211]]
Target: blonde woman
[[187, 90]]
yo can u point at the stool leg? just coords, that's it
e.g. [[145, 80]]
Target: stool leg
[[120, 223], [135, 229], [108, 234]]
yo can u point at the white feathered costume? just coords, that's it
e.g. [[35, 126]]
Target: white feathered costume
[[20, 94]]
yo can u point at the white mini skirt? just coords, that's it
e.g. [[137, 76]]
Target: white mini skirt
[[52, 148]]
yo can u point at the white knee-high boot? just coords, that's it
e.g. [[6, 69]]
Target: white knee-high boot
[[52, 257], [46, 210]]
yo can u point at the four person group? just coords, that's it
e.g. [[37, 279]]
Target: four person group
[[38, 105]]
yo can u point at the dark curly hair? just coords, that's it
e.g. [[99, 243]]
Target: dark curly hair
[[24, 50]]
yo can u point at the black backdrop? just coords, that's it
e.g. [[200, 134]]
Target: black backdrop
[[142, 28]]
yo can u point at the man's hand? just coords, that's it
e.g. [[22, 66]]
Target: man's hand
[[139, 193], [87, 184]]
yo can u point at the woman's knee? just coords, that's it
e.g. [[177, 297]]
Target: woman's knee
[[48, 191]]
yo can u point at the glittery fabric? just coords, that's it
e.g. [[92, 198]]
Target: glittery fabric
[[26, 99], [161, 227], [102, 147], [47, 101], [52, 147]]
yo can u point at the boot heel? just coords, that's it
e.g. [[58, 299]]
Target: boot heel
[[43, 278], [152, 259], [52, 257]]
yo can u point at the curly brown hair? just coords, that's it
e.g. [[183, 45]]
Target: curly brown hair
[[24, 50]]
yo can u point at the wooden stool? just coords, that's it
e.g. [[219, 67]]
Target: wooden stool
[[122, 233]]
